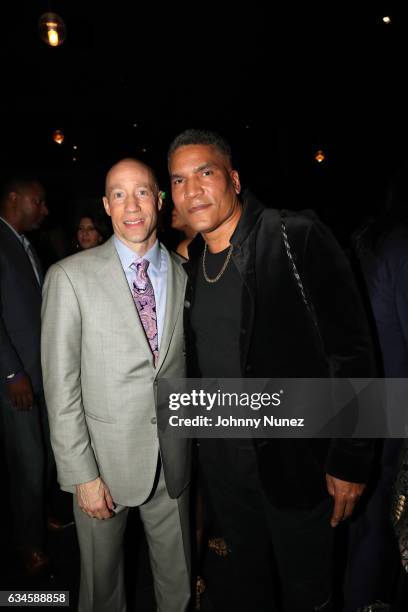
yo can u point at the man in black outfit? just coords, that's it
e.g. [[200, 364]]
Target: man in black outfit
[[247, 318]]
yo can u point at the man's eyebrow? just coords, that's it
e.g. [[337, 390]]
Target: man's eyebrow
[[195, 170], [141, 185], [204, 166]]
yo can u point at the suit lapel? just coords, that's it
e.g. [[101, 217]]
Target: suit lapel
[[115, 285], [176, 282], [38, 264], [20, 256]]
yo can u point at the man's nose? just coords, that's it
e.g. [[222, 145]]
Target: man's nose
[[132, 203], [193, 188]]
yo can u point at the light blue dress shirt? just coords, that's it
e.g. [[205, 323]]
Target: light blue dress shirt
[[157, 271]]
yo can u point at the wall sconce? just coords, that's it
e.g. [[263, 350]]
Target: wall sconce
[[58, 137], [319, 156], [52, 29]]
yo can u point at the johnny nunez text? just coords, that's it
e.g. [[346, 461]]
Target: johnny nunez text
[[204, 421]]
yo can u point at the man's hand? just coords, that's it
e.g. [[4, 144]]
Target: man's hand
[[20, 393], [345, 495], [95, 499]]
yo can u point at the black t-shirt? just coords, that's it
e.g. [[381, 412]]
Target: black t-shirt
[[216, 318]]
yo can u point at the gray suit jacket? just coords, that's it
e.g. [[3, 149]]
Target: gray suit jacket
[[99, 379], [20, 311]]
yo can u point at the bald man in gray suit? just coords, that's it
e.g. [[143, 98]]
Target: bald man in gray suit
[[112, 326]]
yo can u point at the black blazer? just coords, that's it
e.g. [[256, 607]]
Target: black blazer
[[386, 275], [20, 311], [278, 339]]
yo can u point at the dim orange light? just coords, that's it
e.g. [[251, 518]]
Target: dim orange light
[[58, 137], [320, 156]]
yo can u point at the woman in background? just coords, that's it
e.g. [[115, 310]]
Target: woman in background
[[90, 232], [178, 224]]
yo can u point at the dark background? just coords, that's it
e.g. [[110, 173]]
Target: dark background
[[280, 80], [280, 83]]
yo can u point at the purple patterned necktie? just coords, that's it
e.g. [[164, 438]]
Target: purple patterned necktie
[[143, 296]]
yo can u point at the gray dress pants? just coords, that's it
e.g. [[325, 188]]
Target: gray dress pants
[[166, 525]]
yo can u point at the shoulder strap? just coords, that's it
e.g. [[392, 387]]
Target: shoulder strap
[[296, 274]]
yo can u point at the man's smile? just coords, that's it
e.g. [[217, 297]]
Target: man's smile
[[135, 222]]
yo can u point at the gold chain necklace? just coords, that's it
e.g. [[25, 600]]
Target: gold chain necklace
[[224, 266]]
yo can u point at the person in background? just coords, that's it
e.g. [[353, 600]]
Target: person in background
[[90, 232], [177, 223], [23, 414], [381, 247]]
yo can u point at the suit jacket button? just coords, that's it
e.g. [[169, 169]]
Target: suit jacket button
[[153, 420]]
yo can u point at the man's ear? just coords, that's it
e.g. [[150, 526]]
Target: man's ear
[[12, 196], [235, 181], [106, 205]]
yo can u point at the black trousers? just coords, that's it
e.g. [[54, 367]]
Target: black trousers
[[279, 559], [374, 564], [31, 468]]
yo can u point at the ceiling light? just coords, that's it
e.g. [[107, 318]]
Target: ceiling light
[[52, 29]]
